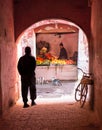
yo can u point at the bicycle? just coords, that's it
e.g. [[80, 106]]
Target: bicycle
[[81, 90]]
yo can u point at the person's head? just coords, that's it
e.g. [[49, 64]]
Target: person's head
[[61, 44], [28, 50]]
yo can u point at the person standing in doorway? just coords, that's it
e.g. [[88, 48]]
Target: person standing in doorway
[[26, 68], [63, 52]]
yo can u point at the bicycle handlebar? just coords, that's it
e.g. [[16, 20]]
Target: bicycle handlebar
[[84, 73]]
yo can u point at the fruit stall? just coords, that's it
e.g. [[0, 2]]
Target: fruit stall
[[52, 67], [49, 65]]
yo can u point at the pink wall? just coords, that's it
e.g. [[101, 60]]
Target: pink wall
[[8, 54], [8, 75]]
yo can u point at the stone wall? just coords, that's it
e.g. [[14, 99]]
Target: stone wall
[[96, 26], [8, 50]]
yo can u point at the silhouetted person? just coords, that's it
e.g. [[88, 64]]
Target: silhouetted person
[[63, 52], [26, 67]]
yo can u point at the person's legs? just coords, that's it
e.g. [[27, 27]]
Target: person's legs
[[32, 94], [24, 89]]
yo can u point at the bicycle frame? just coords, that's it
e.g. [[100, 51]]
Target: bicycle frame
[[82, 88]]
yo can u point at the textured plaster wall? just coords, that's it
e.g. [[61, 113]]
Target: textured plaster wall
[[70, 42], [96, 25], [8, 90], [8, 75], [0, 86], [28, 12]]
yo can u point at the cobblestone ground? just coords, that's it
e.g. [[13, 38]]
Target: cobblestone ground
[[56, 109], [54, 116]]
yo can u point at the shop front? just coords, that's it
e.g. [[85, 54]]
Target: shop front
[[50, 64]]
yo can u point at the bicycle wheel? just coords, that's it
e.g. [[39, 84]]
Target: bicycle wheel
[[78, 92], [83, 95]]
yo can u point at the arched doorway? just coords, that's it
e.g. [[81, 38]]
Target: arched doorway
[[57, 28]]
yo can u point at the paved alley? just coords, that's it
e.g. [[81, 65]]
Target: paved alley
[[53, 116], [56, 109]]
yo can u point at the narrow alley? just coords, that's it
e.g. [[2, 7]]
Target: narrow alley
[[48, 27], [56, 109], [57, 116]]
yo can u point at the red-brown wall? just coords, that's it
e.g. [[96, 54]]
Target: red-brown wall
[[96, 27], [28, 12]]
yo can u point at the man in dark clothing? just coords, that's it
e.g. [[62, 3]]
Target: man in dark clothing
[[26, 67], [63, 52]]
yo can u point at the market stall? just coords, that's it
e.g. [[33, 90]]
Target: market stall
[[62, 72], [60, 69], [47, 51]]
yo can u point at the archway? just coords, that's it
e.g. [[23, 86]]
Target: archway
[[56, 27]]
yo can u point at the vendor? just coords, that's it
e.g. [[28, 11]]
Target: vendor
[[75, 56], [63, 52]]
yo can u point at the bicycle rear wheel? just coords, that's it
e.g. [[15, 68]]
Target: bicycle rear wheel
[[83, 95], [78, 92]]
